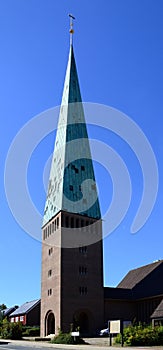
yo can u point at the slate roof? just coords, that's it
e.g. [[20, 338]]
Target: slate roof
[[158, 313], [9, 310], [25, 308], [71, 166], [135, 276]]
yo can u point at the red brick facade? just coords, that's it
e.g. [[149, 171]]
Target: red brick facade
[[72, 279]]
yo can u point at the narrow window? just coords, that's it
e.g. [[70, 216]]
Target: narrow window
[[71, 188], [49, 292], [67, 221], [49, 273], [72, 222], [83, 250], [50, 251], [82, 270], [83, 290], [77, 223], [57, 223]]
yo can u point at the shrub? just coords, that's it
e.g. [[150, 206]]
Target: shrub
[[11, 330], [142, 336], [16, 330], [66, 338], [5, 329], [31, 331]]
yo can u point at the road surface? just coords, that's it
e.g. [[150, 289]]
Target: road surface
[[27, 345]]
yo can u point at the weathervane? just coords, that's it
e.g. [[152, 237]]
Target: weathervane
[[71, 27]]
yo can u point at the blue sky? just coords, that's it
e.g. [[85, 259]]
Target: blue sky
[[119, 53]]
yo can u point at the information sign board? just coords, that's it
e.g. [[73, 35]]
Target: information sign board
[[115, 327]]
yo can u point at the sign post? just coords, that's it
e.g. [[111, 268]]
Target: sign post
[[75, 335], [122, 332], [115, 327]]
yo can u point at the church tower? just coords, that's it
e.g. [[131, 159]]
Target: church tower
[[72, 258]]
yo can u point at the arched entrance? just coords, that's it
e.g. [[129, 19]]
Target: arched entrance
[[50, 323], [83, 323], [81, 320]]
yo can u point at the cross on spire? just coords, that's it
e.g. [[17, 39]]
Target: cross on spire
[[71, 31]]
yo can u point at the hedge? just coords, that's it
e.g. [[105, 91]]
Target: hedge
[[31, 331], [141, 336]]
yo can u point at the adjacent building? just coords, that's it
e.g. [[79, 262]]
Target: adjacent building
[[157, 316], [138, 297], [7, 312], [28, 313]]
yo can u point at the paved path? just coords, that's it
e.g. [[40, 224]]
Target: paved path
[[26, 345]]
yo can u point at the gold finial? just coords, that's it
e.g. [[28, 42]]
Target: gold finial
[[71, 31]]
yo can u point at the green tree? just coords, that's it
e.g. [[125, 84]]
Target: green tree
[[3, 307]]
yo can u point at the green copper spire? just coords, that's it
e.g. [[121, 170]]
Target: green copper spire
[[72, 185]]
